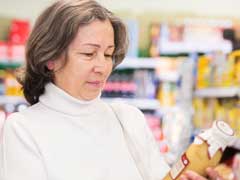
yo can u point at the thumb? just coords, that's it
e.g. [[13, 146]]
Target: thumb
[[213, 174]]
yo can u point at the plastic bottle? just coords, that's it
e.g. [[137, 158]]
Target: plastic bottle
[[205, 151]]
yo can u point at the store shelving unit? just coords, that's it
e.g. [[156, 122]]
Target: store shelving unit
[[149, 63], [4, 64], [11, 99], [137, 63], [193, 47], [128, 63], [141, 103], [10, 65], [218, 92]]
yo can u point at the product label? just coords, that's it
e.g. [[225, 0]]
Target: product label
[[179, 166]]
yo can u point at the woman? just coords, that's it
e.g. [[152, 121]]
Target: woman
[[68, 132]]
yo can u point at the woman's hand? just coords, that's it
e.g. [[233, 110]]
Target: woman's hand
[[191, 175]]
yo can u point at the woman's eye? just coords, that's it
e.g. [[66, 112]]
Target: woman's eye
[[88, 54], [108, 55]]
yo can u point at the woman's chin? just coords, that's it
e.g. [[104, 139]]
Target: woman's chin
[[89, 96]]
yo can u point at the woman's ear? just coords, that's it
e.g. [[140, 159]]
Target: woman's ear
[[50, 65]]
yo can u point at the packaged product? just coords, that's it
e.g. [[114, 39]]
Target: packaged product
[[206, 151]]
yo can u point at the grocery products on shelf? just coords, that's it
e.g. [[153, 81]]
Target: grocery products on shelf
[[155, 124], [210, 109], [8, 84], [158, 80], [218, 70], [12, 55], [167, 93], [13, 50], [189, 35]]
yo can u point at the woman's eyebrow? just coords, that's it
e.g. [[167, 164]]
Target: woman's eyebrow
[[97, 45]]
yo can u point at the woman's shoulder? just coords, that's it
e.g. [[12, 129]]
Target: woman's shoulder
[[14, 118], [123, 108], [14, 124], [130, 115], [25, 117]]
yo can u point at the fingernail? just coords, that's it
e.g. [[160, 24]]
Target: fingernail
[[182, 177], [209, 169]]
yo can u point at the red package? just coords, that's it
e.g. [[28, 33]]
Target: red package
[[19, 31]]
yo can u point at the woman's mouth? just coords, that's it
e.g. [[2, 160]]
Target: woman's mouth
[[95, 84]]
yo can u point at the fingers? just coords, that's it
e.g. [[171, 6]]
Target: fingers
[[212, 174], [183, 177], [190, 175]]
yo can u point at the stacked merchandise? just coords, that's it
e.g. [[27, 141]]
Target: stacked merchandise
[[221, 73], [210, 109], [129, 83], [189, 36], [158, 82], [155, 124], [218, 70], [168, 73], [154, 35], [12, 53], [8, 84], [13, 49]]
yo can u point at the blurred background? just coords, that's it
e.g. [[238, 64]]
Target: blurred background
[[182, 68]]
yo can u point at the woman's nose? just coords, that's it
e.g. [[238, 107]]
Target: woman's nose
[[100, 64]]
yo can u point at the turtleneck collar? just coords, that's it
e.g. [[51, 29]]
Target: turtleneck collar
[[59, 100]]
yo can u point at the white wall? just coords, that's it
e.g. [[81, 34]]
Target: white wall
[[201, 7], [31, 8], [28, 9]]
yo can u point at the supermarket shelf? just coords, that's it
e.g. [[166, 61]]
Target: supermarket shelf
[[143, 103], [10, 65], [151, 104], [149, 63], [192, 47], [218, 92], [136, 63], [172, 77], [128, 63], [11, 99]]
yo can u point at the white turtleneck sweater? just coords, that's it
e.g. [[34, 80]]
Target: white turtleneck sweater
[[63, 138]]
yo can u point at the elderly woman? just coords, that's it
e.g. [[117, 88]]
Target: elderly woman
[[68, 132]]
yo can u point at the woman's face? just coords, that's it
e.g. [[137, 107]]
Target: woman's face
[[88, 62]]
